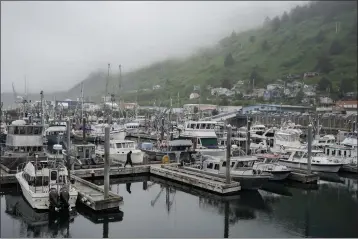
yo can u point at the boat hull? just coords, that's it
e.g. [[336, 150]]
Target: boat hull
[[278, 175], [137, 157], [328, 168], [251, 182], [40, 201]]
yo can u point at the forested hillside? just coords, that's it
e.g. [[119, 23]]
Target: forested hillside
[[318, 37]]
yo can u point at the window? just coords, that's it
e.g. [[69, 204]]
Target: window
[[53, 175], [210, 166], [36, 130], [119, 145], [16, 130], [22, 130], [30, 130], [224, 164], [216, 167], [11, 130]]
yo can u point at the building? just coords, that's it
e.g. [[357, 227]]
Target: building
[[350, 106], [274, 108], [201, 107]]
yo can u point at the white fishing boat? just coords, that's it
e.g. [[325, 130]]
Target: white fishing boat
[[319, 161], [270, 163], [54, 133], [344, 154], [241, 170], [46, 185], [118, 150], [203, 136], [351, 140], [324, 141]]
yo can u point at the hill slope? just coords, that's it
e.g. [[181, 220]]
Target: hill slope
[[303, 40]]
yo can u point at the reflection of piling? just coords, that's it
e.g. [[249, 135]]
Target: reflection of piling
[[106, 162], [68, 142], [145, 185], [226, 220]]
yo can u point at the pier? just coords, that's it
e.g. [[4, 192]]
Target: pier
[[94, 196]]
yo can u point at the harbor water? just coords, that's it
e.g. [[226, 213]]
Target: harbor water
[[154, 207]]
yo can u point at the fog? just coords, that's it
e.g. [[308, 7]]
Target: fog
[[57, 44]]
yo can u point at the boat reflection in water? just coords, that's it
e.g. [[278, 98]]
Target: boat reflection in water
[[38, 223]]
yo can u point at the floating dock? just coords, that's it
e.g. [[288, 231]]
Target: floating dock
[[303, 177], [92, 195], [201, 180]]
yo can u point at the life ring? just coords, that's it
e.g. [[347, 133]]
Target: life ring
[[165, 159]]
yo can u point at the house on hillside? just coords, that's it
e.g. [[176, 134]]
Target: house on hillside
[[310, 74], [222, 92], [325, 100], [156, 87]]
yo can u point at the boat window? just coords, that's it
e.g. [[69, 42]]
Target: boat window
[[198, 141], [212, 126], [39, 148], [240, 164], [192, 126], [36, 130], [216, 167], [30, 130], [53, 175], [16, 130], [203, 126], [22, 130], [188, 125], [223, 164], [209, 142], [119, 145], [232, 164], [197, 126], [210, 166], [207, 126]]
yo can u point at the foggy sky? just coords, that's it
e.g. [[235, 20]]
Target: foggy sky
[[57, 44]]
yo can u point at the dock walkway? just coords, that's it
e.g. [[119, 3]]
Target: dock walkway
[[198, 179], [93, 195]]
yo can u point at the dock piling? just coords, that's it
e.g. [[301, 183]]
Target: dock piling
[[68, 142], [309, 148], [106, 162], [228, 154]]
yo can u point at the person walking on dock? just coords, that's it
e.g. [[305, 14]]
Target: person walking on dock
[[129, 159]]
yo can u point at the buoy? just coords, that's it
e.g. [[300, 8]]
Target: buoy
[[165, 159]]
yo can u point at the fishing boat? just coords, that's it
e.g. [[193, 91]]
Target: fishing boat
[[46, 186], [269, 163], [319, 161], [174, 148], [241, 169], [118, 150]]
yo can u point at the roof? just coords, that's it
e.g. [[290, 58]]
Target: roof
[[180, 142]]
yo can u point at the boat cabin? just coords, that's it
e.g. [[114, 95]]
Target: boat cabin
[[83, 151], [41, 177], [122, 144], [236, 163], [340, 151], [23, 139], [202, 140], [179, 145], [200, 125]]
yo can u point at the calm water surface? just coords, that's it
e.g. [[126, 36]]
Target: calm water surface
[[157, 208]]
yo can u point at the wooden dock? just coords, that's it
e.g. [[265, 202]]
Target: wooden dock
[[211, 183], [92, 195], [113, 171]]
